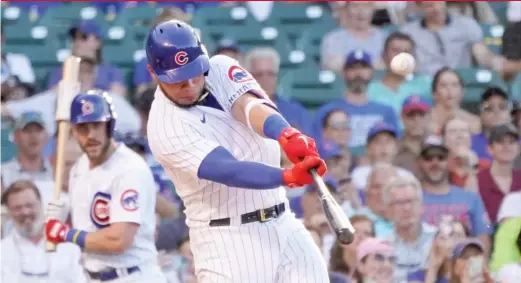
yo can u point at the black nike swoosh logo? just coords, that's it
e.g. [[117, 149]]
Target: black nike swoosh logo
[[203, 120]]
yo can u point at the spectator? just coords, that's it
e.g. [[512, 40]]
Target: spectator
[[337, 127], [264, 64], [439, 261], [511, 46], [142, 79], [186, 268], [86, 43], [375, 261], [308, 205], [381, 148], [30, 136], [414, 117], [412, 238], [343, 257], [357, 33], [447, 91], [500, 179], [441, 198], [13, 89], [393, 89], [495, 110], [230, 48], [516, 115], [463, 162], [448, 40], [375, 207], [23, 250], [16, 64], [362, 112], [45, 102], [464, 254], [480, 11], [165, 259]]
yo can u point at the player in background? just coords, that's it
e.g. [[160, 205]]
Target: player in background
[[218, 136], [112, 192]]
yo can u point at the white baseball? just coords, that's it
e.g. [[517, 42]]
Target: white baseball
[[403, 64]]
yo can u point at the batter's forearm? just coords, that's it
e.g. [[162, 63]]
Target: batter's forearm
[[107, 240]]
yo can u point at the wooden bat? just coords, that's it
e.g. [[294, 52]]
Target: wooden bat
[[336, 217], [68, 87]]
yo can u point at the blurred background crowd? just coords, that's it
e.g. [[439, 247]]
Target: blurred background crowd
[[427, 166]]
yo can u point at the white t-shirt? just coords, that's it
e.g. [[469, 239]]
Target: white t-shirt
[[19, 65], [510, 273]]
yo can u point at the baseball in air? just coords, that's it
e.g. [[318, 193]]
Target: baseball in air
[[403, 64]]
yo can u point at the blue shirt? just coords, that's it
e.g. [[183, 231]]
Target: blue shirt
[[380, 93], [106, 74], [362, 118], [480, 146], [382, 227], [419, 275], [141, 74], [464, 206]]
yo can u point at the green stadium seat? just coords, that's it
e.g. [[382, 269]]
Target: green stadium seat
[[515, 88], [121, 55], [137, 20], [311, 40], [42, 74], [17, 25], [41, 55], [493, 37], [218, 19], [9, 149], [500, 9], [476, 81], [311, 86], [62, 17], [294, 18]]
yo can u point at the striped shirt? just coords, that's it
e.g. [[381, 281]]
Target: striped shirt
[[181, 138]]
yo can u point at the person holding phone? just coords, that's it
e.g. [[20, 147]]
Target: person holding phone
[[469, 263]]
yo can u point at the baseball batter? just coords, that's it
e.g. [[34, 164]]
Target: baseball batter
[[215, 132], [112, 200]]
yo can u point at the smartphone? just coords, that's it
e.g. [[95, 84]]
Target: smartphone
[[475, 269]]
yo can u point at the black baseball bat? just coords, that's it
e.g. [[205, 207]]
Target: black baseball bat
[[336, 217]]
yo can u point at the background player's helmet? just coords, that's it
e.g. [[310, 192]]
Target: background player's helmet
[[175, 52], [93, 106]]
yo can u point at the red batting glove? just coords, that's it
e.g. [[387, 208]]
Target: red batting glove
[[55, 231], [299, 175], [296, 145]]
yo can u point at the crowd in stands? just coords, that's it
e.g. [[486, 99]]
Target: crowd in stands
[[427, 167]]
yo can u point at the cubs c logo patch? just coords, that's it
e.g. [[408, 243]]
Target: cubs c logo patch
[[181, 58], [238, 75], [100, 210], [129, 200], [87, 108]]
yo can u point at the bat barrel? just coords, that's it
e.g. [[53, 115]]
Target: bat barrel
[[345, 236]]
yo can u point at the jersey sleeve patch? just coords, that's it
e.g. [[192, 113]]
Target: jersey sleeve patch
[[100, 210], [237, 74], [129, 200]]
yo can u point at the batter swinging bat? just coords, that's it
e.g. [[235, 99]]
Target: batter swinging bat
[[336, 217], [68, 87]]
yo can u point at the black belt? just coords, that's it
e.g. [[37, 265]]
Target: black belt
[[261, 215], [112, 273]]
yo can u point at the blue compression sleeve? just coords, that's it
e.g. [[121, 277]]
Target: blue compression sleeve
[[220, 166], [274, 125]]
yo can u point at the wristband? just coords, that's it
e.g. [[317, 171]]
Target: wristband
[[274, 125], [77, 237]]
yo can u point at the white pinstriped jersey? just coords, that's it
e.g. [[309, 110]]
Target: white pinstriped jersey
[[181, 138], [119, 190]]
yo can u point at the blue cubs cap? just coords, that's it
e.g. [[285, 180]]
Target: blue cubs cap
[[381, 127], [457, 250], [87, 27], [416, 103], [358, 56], [28, 118]]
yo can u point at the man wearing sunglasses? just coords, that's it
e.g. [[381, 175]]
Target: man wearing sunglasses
[[495, 110], [442, 198]]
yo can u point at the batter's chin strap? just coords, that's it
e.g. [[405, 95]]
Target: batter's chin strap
[[205, 93]]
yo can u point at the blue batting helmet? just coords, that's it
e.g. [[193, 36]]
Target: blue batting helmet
[[175, 52], [93, 106]]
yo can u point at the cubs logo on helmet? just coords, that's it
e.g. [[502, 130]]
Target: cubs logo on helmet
[[87, 108], [181, 58], [238, 75], [100, 210], [129, 200]]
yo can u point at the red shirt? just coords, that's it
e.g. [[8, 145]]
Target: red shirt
[[491, 194]]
